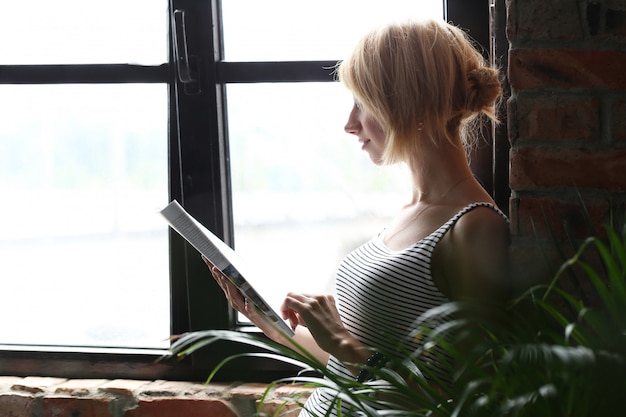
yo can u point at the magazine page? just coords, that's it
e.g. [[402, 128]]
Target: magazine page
[[222, 256]]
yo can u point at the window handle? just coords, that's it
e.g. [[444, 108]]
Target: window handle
[[181, 54]]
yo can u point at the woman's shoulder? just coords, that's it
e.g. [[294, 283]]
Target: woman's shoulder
[[484, 211], [481, 220], [473, 254], [478, 229]]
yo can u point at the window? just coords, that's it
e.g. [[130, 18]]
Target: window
[[295, 175], [83, 171], [97, 100], [82, 192]]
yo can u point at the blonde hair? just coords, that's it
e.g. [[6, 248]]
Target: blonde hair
[[424, 77]]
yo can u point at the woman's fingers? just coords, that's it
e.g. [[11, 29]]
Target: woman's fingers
[[237, 301], [309, 304], [319, 313], [290, 312], [215, 272], [235, 297], [306, 309], [292, 317], [206, 261]]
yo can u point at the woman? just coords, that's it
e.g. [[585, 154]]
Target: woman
[[417, 89]]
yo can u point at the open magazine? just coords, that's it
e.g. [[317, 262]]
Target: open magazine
[[222, 256]]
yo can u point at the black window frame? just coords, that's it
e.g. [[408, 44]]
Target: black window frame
[[197, 76]]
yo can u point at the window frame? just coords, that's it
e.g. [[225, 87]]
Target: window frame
[[199, 172]]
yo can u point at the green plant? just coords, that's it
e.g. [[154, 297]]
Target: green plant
[[563, 356], [550, 353]]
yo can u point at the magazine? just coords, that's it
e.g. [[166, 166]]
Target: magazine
[[222, 256]]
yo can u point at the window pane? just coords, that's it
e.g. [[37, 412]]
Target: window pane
[[83, 172], [304, 194], [83, 32], [278, 30]]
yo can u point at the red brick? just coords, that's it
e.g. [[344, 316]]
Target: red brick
[[511, 118], [618, 120], [245, 397], [544, 167], [606, 20], [72, 406], [122, 386], [575, 280], [292, 390], [567, 68], [14, 405], [558, 117], [543, 217], [292, 395], [36, 384], [282, 400], [162, 388], [79, 387], [6, 382], [544, 20], [249, 390], [181, 407], [531, 264], [537, 264], [284, 407]]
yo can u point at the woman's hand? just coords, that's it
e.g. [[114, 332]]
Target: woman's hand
[[239, 303], [321, 331], [320, 315], [235, 298]]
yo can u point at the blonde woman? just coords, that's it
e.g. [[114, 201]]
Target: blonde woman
[[418, 89]]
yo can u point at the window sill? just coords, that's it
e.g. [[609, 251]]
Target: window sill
[[83, 362], [139, 364], [27, 397]]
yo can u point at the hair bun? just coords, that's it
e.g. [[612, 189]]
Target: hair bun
[[484, 87]]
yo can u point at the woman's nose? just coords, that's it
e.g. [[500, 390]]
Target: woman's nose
[[353, 125]]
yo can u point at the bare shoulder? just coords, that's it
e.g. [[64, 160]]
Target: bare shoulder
[[482, 235], [481, 223], [475, 255]]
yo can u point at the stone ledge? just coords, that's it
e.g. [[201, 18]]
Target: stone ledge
[[47, 397]]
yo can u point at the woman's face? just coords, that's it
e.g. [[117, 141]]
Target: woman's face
[[370, 133]]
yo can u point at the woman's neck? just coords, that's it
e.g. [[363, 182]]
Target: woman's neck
[[439, 174]]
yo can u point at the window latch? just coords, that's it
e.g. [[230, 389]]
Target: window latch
[[186, 75]]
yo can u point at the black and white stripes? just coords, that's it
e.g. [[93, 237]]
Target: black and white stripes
[[380, 293]]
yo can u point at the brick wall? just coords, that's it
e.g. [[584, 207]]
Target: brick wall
[[56, 397], [566, 116]]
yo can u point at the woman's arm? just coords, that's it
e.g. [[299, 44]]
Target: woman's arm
[[474, 266], [304, 339], [302, 336]]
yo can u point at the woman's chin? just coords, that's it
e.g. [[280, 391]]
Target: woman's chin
[[377, 160]]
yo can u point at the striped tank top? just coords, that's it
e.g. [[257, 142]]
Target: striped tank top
[[380, 293]]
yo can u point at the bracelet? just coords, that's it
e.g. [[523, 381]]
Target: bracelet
[[377, 360]]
